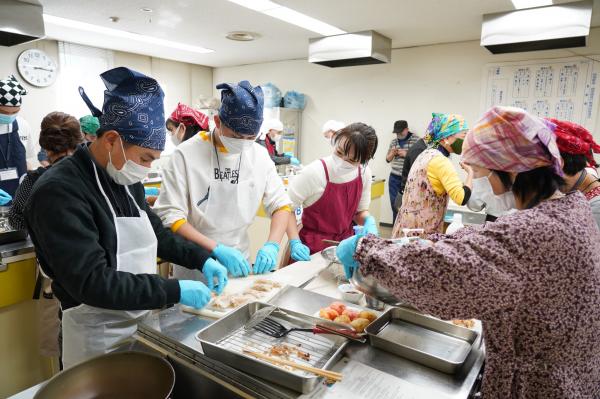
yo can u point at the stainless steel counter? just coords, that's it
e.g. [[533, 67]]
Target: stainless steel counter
[[176, 331], [16, 251]]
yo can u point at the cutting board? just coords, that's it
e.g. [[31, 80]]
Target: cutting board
[[295, 275]]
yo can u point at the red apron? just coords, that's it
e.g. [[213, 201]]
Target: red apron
[[331, 216], [270, 146]]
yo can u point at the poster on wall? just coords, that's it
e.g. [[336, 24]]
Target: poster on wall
[[563, 88]]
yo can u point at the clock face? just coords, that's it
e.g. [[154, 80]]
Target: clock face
[[37, 68]]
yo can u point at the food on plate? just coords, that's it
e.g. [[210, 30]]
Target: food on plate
[[303, 355], [360, 324], [366, 314], [352, 314], [338, 307], [469, 323], [342, 319], [259, 288], [328, 313]]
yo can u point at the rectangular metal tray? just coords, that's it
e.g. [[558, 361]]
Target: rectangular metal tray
[[423, 339], [225, 339]]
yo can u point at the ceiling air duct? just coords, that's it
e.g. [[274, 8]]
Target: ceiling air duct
[[350, 49], [543, 28], [20, 22]]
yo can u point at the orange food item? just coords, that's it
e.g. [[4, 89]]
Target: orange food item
[[365, 314], [328, 313], [342, 319], [352, 314], [360, 324], [338, 307]]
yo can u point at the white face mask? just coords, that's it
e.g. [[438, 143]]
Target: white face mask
[[175, 137], [130, 173], [276, 138], [236, 146], [341, 166], [482, 196]]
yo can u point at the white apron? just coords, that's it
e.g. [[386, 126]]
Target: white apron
[[230, 210], [89, 331]]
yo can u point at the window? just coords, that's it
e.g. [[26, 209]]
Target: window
[[81, 66]]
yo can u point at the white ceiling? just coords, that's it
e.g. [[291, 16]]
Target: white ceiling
[[206, 22]]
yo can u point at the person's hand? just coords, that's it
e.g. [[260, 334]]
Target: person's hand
[[193, 293], [266, 258], [467, 168], [294, 161], [5, 197], [232, 259], [213, 269], [345, 253], [401, 153], [370, 226], [299, 251]]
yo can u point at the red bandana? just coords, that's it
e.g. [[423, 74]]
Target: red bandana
[[574, 139], [189, 116]]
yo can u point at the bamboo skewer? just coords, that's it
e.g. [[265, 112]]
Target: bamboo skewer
[[330, 375]]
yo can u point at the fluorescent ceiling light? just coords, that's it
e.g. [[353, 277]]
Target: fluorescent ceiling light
[[288, 15], [519, 4], [70, 23]]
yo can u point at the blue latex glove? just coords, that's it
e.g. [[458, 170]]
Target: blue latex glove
[[5, 197], [151, 191], [299, 251], [232, 259], [266, 258], [193, 293], [294, 161], [370, 226], [289, 154], [345, 253], [213, 269]]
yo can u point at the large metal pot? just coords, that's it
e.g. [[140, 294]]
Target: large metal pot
[[127, 375]]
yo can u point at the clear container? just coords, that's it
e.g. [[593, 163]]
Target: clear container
[[456, 224]]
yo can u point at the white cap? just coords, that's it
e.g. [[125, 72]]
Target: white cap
[[457, 217], [269, 124], [332, 125]]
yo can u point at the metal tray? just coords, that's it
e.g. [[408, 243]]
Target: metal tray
[[225, 339], [422, 339]]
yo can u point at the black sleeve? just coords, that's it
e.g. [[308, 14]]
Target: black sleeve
[[16, 219], [174, 248], [64, 230], [281, 160], [467, 195]]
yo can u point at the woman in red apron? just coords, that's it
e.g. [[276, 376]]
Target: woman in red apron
[[335, 191]]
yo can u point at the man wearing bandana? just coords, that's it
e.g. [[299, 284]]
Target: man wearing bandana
[[215, 182], [95, 235]]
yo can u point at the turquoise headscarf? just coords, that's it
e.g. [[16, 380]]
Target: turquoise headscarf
[[89, 124], [442, 126]]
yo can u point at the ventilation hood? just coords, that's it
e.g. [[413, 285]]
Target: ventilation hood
[[20, 22], [350, 49], [542, 28]]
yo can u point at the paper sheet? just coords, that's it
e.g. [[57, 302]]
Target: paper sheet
[[362, 381], [564, 88]]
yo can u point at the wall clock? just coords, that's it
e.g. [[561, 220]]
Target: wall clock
[[37, 68]]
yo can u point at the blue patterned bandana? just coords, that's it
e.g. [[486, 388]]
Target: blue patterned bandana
[[133, 106], [241, 107]]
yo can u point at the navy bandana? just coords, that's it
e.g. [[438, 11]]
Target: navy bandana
[[133, 106], [241, 107]]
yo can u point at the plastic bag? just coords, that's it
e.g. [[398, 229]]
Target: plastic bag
[[293, 99], [272, 95]]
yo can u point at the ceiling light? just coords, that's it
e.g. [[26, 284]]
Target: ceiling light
[[288, 15], [241, 36], [145, 9], [70, 23], [519, 4]]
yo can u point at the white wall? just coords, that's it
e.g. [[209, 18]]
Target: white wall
[[181, 82], [419, 80]]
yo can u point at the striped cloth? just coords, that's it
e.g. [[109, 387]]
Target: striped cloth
[[511, 140], [398, 162]]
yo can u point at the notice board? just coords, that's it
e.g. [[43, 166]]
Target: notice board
[[562, 88]]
